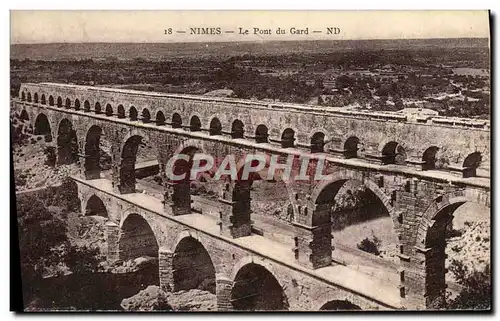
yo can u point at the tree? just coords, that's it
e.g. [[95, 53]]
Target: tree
[[44, 244], [476, 294]]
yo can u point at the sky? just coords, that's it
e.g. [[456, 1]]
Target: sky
[[150, 26]]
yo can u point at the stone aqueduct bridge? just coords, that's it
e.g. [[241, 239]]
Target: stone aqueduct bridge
[[420, 169]]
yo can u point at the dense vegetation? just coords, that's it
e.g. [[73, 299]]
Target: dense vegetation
[[45, 249], [477, 291], [377, 79]]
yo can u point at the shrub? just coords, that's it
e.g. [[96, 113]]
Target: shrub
[[370, 245], [50, 153], [451, 232], [476, 294]]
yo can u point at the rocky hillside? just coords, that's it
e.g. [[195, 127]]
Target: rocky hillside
[[472, 247], [152, 298]]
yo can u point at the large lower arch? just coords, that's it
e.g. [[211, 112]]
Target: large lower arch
[[42, 127], [192, 267], [127, 166], [325, 216], [255, 288], [67, 144], [95, 207], [343, 305], [92, 165], [137, 239], [431, 242]]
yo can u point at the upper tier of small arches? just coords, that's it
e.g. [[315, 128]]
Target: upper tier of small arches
[[386, 116], [391, 153]]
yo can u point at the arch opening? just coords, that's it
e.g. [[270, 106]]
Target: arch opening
[[121, 111], [23, 96], [67, 144], [261, 134], [146, 116], [35, 98], [42, 127], [273, 203], [176, 121], [192, 267], [25, 126], [195, 124], [24, 115], [393, 153], [132, 113], [471, 164], [97, 108], [255, 288], [288, 138], [160, 118], [51, 100], [429, 158], [237, 129], [68, 103], [86, 106], [137, 242], [92, 164], [59, 102], [29, 97], [182, 189], [77, 104], [42, 100], [351, 147], [137, 239], [109, 110], [127, 166], [95, 207], [318, 143], [215, 127], [449, 239], [360, 224]]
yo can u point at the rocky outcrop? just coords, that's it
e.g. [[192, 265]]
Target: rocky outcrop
[[154, 299]]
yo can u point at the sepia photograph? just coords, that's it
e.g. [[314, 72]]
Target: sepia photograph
[[225, 161]]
